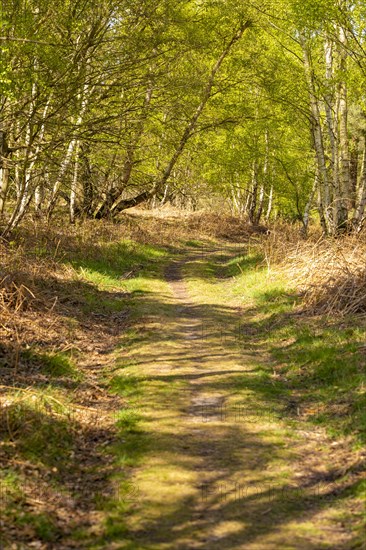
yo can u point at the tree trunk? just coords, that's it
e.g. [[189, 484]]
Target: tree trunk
[[361, 201], [254, 193], [259, 212], [332, 126], [74, 184], [264, 185], [86, 180], [354, 165], [317, 137], [26, 177], [38, 199], [235, 200], [270, 202], [165, 195], [111, 199], [322, 219], [4, 170], [344, 161], [306, 216], [69, 153]]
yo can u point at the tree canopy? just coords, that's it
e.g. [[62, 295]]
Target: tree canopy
[[257, 105]]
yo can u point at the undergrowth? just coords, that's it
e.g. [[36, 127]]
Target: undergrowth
[[320, 358], [67, 294]]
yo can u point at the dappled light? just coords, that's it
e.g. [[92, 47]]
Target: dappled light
[[175, 394], [183, 276]]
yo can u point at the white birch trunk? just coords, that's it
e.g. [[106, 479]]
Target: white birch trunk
[[38, 198], [74, 184], [317, 136], [344, 160], [361, 199], [68, 156], [265, 177], [23, 181], [270, 202], [332, 117], [165, 194], [306, 216]]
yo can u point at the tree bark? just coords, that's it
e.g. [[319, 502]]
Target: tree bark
[[111, 199], [264, 185], [4, 170], [86, 180], [69, 154], [254, 193], [74, 184], [270, 202], [344, 161], [317, 137], [332, 118], [358, 217], [306, 216]]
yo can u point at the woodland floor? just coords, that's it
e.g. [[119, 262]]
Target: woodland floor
[[180, 432]]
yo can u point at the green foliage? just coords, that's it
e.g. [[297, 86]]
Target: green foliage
[[125, 80], [320, 361], [53, 364], [312, 15]]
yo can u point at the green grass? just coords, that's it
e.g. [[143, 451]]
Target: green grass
[[320, 363], [39, 429], [268, 324], [126, 385], [312, 370], [54, 364], [325, 365], [319, 360], [242, 264], [13, 509], [121, 273], [43, 526], [194, 243], [317, 363], [128, 420], [112, 267], [132, 444]]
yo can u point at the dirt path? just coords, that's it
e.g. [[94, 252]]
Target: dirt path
[[222, 469]]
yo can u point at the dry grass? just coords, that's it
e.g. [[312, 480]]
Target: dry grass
[[329, 273], [53, 351], [172, 225], [41, 294], [44, 327]]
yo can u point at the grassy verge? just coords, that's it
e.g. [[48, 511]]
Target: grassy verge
[[321, 360], [84, 432], [69, 300], [311, 369]]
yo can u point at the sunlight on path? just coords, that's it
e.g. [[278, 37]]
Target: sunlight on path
[[222, 470]]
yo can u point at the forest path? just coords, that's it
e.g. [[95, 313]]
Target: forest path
[[216, 464]]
